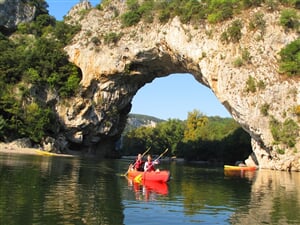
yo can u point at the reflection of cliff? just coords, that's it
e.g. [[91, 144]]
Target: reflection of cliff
[[51, 190], [275, 199], [85, 190]]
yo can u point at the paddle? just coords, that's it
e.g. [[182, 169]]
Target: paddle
[[161, 154], [135, 161]]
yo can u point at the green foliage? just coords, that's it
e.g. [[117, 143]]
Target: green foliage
[[290, 59], [112, 37], [289, 19], [31, 63], [272, 5], [246, 55], [252, 3], [130, 18], [194, 122], [238, 62], [233, 33], [286, 132], [258, 22], [219, 10], [214, 11], [36, 121], [197, 138], [251, 85], [264, 109]]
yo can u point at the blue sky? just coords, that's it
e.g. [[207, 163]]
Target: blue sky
[[168, 97]]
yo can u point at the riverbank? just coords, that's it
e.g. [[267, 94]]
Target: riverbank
[[11, 148]]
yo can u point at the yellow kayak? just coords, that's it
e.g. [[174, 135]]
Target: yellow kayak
[[243, 168], [41, 152]]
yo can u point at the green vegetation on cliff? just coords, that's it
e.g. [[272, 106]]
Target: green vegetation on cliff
[[33, 65], [215, 11]]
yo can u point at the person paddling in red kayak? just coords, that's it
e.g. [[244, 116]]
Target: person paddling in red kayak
[[138, 165], [149, 164]]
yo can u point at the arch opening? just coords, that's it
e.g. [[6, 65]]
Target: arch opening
[[173, 96]]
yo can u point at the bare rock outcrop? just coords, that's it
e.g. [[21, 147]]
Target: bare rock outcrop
[[13, 12]]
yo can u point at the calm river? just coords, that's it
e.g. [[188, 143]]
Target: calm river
[[56, 190]]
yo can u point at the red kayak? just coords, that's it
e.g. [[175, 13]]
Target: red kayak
[[160, 176]]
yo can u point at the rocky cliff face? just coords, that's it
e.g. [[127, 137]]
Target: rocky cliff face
[[13, 12], [113, 72]]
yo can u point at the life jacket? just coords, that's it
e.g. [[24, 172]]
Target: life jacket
[[139, 165], [150, 166]]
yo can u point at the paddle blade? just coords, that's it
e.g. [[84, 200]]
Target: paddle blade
[[138, 178]]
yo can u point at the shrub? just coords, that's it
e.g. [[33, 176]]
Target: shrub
[[272, 5], [96, 40], [264, 109], [112, 37], [219, 11], [261, 85], [251, 85], [164, 16], [289, 19], [286, 132], [290, 59], [233, 33], [258, 22], [130, 18], [246, 55], [238, 62], [251, 3]]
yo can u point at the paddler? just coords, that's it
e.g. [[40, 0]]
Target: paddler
[[149, 165]]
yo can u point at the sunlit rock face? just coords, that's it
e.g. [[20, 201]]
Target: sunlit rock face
[[114, 71]]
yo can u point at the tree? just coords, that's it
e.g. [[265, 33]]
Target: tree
[[194, 122]]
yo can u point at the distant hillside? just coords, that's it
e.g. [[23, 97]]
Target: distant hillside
[[137, 120]]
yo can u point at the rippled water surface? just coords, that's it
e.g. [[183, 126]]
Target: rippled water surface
[[55, 190]]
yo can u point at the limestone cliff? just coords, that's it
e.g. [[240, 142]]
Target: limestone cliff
[[113, 72], [13, 12]]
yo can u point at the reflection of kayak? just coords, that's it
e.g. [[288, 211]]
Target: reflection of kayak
[[150, 186], [240, 168], [158, 187], [249, 174], [160, 176]]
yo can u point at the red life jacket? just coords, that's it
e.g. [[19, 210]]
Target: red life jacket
[[150, 166], [138, 165]]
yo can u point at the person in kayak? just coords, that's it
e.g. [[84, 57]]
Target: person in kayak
[[149, 164], [138, 165]]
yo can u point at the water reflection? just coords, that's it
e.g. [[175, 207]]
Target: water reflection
[[250, 175], [50, 190], [148, 190], [275, 199]]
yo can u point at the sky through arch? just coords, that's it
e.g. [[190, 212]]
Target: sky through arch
[[172, 97]]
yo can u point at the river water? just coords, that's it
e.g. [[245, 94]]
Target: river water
[[59, 190]]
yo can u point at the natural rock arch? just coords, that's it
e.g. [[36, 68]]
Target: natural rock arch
[[114, 72]]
